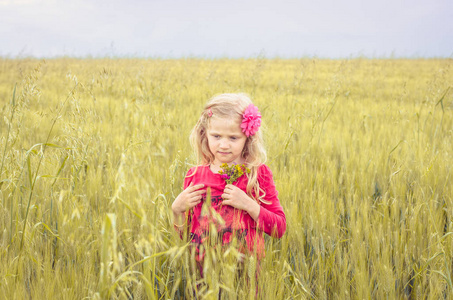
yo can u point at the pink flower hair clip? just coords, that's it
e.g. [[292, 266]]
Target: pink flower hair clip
[[209, 112], [251, 120]]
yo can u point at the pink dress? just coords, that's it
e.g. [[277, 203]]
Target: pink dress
[[234, 222]]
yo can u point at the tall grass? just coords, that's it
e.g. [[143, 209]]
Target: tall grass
[[360, 151]]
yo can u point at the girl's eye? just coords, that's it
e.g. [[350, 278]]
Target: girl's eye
[[233, 138]]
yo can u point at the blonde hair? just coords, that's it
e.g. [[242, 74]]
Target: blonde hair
[[232, 107]]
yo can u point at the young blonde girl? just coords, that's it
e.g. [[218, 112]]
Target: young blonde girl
[[228, 132]]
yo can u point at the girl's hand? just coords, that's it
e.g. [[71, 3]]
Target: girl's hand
[[188, 198], [237, 198]]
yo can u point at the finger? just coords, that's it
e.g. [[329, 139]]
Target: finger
[[195, 195], [193, 204], [196, 198], [189, 187], [230, 187], [199, 192], [192, 188], [197, 187]]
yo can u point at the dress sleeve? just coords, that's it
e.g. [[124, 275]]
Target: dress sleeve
[[272, 219]]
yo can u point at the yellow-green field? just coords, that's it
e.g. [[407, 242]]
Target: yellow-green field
[[93, 153]]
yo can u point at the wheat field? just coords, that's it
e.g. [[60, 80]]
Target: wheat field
[[94, 151]]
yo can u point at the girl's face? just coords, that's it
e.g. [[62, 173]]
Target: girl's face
[[226, 141]]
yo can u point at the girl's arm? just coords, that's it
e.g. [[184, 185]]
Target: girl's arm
[[188, 198], [271, 219]]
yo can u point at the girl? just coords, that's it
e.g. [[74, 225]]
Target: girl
[[228, 133]]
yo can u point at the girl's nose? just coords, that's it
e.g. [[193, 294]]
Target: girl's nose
[[223, 144]]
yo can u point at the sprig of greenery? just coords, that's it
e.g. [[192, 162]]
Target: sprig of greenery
[[233, 173]]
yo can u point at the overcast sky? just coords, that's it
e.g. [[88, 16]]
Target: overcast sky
[[227, 28]]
